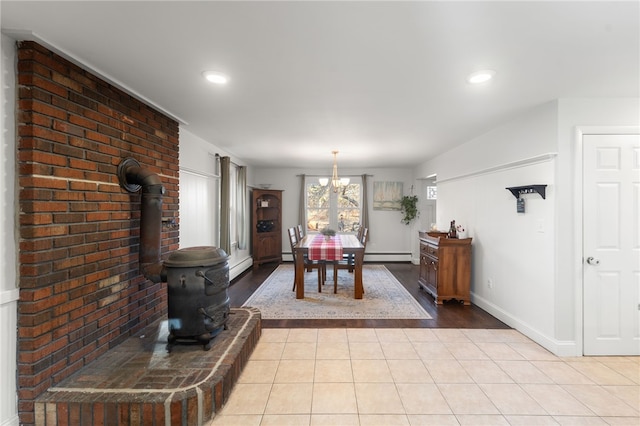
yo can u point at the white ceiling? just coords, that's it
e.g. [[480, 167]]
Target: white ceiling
[[382, 82]]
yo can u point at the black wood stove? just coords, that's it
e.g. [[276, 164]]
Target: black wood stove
[[197, 286], [197, 277]]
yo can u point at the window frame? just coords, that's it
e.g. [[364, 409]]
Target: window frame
[[333, 209]]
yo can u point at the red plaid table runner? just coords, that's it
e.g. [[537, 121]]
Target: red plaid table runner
[[323, 249]]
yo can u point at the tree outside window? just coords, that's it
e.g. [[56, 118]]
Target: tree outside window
[[339, 210]]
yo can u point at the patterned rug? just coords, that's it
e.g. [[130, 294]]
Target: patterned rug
[[384, 297]]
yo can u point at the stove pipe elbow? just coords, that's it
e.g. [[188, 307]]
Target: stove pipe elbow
[[133, 178]]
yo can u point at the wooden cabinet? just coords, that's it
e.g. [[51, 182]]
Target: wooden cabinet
[[266, 226], [445, 267]]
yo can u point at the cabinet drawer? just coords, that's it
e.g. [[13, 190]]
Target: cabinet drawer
[[429, 250], [427, 260]]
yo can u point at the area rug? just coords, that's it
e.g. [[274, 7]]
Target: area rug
[[384, 297]]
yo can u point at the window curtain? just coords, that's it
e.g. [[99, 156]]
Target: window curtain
[[302, 208], [225, 204], [241, 208], [365, 204]]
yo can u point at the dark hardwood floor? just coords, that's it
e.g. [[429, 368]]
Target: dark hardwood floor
[[448, 315]]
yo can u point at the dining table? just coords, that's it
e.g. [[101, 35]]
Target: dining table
[[317, 248]]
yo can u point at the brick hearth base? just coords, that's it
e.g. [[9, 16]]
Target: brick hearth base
[[140, 383]]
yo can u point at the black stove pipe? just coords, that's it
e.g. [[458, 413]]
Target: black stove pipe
[[133, 178]]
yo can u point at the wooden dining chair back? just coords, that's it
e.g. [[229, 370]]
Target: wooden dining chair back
[[300, 234], [348, 261], [364, 237], [308, 264], [349, 257], [293, 240]]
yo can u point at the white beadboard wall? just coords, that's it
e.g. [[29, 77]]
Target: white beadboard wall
[[8, 248]]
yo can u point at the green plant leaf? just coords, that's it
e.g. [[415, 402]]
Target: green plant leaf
[[409, 208]]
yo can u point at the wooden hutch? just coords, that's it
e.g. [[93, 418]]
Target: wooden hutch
[[445, 267], [266, 226]]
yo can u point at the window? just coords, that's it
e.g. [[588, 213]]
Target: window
[[199, 220], [339, 210], [233, 206], [432, 192]]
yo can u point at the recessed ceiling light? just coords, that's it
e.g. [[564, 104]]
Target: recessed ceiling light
[[215, 77], [481, 76]]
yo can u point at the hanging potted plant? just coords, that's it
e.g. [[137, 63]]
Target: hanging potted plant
[[409, 208]]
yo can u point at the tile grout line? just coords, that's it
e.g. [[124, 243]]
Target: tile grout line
[[554, 381]]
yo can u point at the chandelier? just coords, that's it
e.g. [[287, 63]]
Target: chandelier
[[336, 182]]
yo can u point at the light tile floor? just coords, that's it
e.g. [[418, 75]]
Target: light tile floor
[[426, 377]]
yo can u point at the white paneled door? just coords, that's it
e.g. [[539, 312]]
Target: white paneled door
[[611, 244]]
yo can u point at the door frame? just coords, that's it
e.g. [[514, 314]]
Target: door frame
[[580, 132]]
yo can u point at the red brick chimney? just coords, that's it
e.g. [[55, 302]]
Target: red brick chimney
[[81, 289]]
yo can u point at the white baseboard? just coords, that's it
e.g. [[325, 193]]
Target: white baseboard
[[240, 267], [387, 257], [557, 347]]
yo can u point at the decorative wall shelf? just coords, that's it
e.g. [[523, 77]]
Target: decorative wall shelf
[[517, 191]]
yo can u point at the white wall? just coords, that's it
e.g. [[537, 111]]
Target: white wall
[[390, 240], [199, 186], [527, 136], [8, 248], [531, 263], [514, 251]]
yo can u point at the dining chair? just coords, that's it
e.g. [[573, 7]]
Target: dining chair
[[308, 264], [364, 236], [300, 234], [348, 257], [349, 261]]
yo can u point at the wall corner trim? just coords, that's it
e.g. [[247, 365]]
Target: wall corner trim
[[510, 165]]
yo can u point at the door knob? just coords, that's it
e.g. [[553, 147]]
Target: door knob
[[593, 261]]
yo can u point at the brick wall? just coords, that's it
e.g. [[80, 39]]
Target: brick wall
[[81, 292]]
